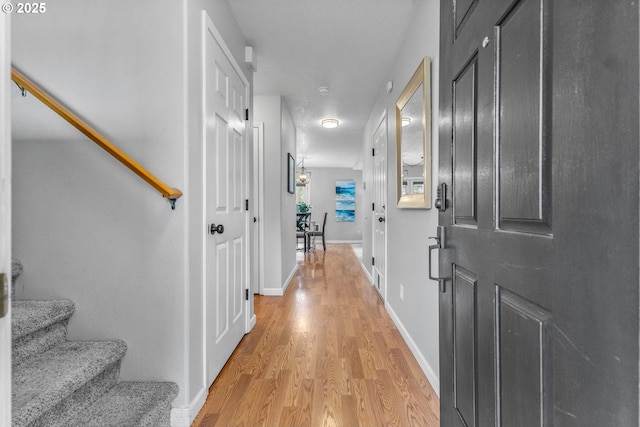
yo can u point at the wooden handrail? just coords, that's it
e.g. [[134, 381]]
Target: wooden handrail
[[25, 84]]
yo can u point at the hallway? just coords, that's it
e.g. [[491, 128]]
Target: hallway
[[325, 354]]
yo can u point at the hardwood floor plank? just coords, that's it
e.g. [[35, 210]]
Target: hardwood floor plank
[[326, 354], [349, 411], [327, 404]]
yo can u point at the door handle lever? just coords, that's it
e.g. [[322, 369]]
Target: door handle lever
[[439, 245], [431, 249]]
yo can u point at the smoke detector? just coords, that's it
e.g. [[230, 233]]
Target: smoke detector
[[324, 90]]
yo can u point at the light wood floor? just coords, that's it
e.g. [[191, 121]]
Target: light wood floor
[[325, 354]]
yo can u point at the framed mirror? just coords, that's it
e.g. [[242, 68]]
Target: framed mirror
[[413, 133]]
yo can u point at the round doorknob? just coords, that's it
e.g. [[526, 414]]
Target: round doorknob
[[381, 219], [217, 229]]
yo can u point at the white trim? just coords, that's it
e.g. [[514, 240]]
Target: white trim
[[223, 45], [272, 292], [259, 212], [184, 416], [286, 283], [367, 273], [340, 242], [432, 377], [203, 241], [252, 321], [278, 292]]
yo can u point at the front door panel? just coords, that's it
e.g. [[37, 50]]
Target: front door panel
[[532, 140]]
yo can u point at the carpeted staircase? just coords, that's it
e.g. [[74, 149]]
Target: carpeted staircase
[[57, 382]]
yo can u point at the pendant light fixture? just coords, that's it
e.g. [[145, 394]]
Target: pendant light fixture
[[303, 174]]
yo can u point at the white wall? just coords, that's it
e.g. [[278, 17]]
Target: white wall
[[323, 199], [278, 219], [288, 200], [417, 314], [87, 228]]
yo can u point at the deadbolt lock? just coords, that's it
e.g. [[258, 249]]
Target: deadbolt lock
[[441, 197]]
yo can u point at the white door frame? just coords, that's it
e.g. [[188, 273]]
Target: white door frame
[[5, 215], [257, 208]]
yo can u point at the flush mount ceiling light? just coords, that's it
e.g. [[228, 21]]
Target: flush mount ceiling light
[[324, 90], [330, 123], [406, 121]]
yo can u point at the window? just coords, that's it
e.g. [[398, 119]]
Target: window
[[303, 193]]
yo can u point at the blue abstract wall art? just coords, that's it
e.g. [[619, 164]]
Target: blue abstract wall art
[[345, 201]]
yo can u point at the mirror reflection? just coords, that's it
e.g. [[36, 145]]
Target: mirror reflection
[[412, 155], [413, 130]]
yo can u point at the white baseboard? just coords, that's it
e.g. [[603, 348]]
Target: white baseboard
[[286, 283], [346, 242], [432, 377], [366, 272], [252, 322], [278, 292], [183, 417]]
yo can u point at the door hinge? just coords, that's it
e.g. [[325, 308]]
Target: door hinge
[[373, 152], [246, 294], [373, 206], [373, 261], [246, 204], [246, 114]]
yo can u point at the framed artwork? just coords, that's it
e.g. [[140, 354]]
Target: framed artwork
[[291, 174], [345, 201]]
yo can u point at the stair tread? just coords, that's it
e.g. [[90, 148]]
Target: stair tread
[[127, 404], [29, 316], [46, 379]]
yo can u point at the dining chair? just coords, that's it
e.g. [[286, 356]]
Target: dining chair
[[313, 233], [302, 228]]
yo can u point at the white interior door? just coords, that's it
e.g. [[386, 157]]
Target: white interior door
[[380, 207], [225, 164], [5, 219]]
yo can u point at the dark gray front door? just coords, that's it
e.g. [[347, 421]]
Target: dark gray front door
[[538, 131]]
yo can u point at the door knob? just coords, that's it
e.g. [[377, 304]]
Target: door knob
[[381, 219], [217, 229]]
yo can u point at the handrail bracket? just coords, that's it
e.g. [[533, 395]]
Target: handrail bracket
[[23, 91], [172, 202]]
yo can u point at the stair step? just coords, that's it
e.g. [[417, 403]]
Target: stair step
[[63, 378], [138, 404], [37, 326]]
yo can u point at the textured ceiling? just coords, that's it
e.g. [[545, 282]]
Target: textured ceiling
[[346, 45]]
